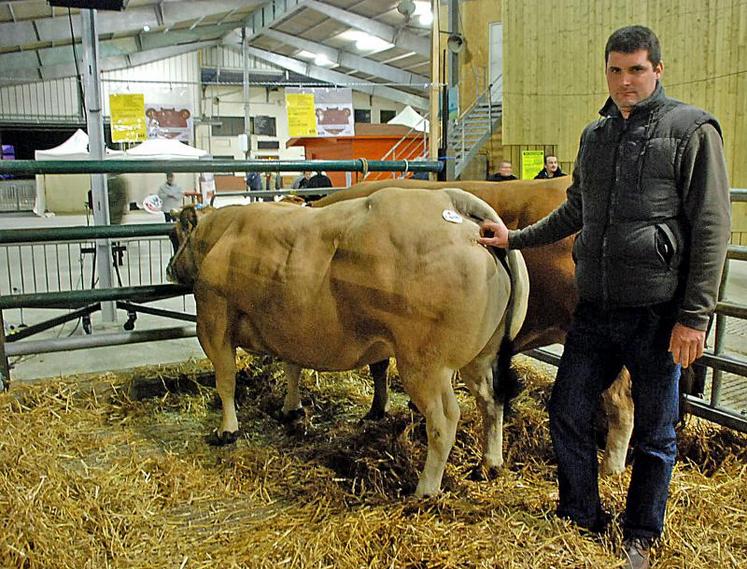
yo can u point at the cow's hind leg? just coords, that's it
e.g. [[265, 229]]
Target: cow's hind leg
[[617, 402], [478, 377], [433, 394]]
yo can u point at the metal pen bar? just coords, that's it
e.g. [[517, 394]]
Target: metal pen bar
[[26, 167], [97, 341], [84, 233], [47, 324], [124, 305], [74, 298]]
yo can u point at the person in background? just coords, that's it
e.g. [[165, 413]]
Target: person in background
[[318, 180], [504, 173], [551, 169], [650, 198], [302, 181], [171, 197]]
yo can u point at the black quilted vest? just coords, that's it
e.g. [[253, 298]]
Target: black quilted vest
[[633, 245]]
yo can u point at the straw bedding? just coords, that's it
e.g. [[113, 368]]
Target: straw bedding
[[112, 470]]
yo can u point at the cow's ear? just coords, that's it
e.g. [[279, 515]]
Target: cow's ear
[[185, 113]]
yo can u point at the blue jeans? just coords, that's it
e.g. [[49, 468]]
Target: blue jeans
[[598, 344]]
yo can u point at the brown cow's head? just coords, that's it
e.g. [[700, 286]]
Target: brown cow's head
[[181, 268]]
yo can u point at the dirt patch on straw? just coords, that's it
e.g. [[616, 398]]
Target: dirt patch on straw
[[113, 471]]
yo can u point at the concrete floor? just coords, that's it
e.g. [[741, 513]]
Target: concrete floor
[[123, 357]]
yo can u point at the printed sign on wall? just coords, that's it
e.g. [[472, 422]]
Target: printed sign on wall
[[332, 108], [169, 121], [128, 117], [532, 161]]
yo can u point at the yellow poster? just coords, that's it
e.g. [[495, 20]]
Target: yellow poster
[[301, 114], [128, 117], [532, 161]]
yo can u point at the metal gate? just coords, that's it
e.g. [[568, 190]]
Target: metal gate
[[17, 195]]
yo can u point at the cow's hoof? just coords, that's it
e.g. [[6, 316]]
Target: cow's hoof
[[294, 416], [225, 438], [482, 473], [375, 415]]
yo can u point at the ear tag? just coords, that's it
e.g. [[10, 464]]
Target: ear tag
[[451, 216]]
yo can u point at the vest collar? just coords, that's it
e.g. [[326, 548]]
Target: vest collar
[[657, 98]]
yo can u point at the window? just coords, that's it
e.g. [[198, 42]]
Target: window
[[229, 126], [268, 145], [263, 125], [362, 115], [386, 116]]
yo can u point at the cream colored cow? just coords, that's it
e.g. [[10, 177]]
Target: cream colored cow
[[399, 273]]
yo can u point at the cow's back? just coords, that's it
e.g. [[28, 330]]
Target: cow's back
[[552, 295]]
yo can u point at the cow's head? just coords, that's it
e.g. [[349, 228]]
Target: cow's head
[[182, 268]]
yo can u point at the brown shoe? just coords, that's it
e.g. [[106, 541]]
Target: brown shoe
[[636, 552]]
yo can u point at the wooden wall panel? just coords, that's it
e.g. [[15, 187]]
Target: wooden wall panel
[[554, 66]]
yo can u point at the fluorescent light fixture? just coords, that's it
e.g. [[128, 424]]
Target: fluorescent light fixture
[[146, 28], [424, 13], [365, 42], [318, 58]]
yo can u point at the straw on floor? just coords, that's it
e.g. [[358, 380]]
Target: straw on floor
[[113, 470]]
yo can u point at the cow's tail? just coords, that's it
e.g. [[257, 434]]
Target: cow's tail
[[506, 382]]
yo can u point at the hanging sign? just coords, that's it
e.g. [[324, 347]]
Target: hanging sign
[[301, 117], [128, 117]]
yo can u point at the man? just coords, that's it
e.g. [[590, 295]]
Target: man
[[650, 197], [171, 197], [551, 169], [505, 172], [302, 181], [318, 180]]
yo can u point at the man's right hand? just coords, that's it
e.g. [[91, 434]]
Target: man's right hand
[[494, 234]]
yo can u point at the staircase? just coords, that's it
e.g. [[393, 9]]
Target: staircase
[[472, 129], [467, 134]]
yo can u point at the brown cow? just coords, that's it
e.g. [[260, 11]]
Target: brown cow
[[552, 295], [399, 273]]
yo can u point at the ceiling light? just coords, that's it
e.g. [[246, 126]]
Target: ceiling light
[[146, 28], [365, 42], [424, 13]]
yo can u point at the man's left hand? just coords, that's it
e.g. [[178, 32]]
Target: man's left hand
[[686, 344]]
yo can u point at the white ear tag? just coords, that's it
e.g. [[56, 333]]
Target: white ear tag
[[451, 216]]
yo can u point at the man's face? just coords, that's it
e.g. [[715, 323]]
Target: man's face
[[170, 180], [505, 169], [631, 78], [551, 164]]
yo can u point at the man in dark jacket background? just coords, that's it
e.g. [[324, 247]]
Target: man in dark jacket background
[[650, 198], [551, 169]]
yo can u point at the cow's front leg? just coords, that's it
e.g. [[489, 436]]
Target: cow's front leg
[[381, 390], [292, 408], [434, 397], [214, 337], [617, 402], [478, 376]]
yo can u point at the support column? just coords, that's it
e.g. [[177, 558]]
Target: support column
[[435, 93], [453, 75], [95, 123]]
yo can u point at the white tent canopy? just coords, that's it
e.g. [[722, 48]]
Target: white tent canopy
[[409, 117], [65, 193], [164, 149], [74, 148]]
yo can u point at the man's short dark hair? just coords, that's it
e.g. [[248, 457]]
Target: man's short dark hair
[[548, 156], [632, 38]]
